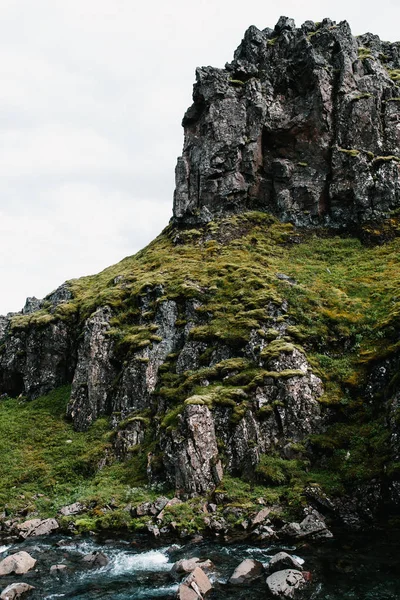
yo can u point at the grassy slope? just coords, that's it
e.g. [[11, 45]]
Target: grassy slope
[[346, 309]]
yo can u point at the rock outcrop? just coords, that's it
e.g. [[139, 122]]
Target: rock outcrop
[[304, 123]]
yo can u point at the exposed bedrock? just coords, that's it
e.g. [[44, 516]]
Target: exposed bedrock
[[304, 123]]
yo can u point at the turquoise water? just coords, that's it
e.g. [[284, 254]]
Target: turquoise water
[[348, 568]]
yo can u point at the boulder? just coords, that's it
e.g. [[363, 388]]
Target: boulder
[[261, 516], [248, 570], [195, 586], [15, 590], [313, 526], [172, 502], [72, 509], [18, 563], [187, 593], [153, 508], [35, 527], [285, 583], [185, 566], [95, 560], [282, 561]]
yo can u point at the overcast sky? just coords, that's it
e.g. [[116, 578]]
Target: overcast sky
[[92, 93]]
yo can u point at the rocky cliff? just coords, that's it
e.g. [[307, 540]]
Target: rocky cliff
[[238, 344], [303, 123]]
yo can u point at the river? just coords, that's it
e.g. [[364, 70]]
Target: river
[[357, 567]]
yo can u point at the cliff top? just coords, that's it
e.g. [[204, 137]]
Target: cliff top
[[304, 123]]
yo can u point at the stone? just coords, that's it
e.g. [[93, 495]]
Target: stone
[[36, 527], [261, 516], [187, 593], [314, 526], [18, 563], [285, 583], [282, 561], [248, 570], [185, 566], [172, 502], [95, 560], [72, 509], [15, 590], [143, 509], [154, 530], [199, 582]]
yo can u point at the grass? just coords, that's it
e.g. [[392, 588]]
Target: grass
[[46, 464], [364, 53]]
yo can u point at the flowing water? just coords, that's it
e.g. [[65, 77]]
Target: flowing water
[[347, 568]]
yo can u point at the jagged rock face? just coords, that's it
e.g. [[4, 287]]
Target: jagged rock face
[[94, 373], [191, 453], [103, 385], [36, 360], [283, 411], [303, 123]]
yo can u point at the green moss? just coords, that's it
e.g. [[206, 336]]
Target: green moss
[[364, 53], [275, 348], [350, 152], [383, 159], [38, 319], [361, 97], [187, 516], [275, 470], [171, 417], [394, 74]]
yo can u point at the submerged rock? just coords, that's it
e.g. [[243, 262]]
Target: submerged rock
[[15, 590], [95, 560], [57, 569]]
